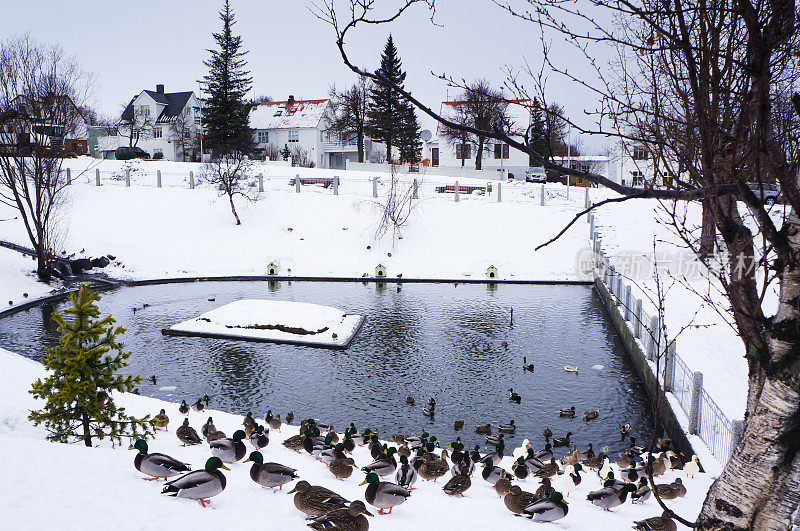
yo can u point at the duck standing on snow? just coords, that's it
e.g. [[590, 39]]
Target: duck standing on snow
[[548, 510], [187, 435], [516, 500], [199, 485], [433, 468], [344, 519], [492, 474], [642, 493], [183, 408], [656, 523], [692, 468], [609, 497], [520, 469], [161, 420], [275, 423], [548, 470], [405, 476], [229, 450], [457, 485], [156, 465], [269, 474], [314, 500], [564, 483], [208, 427], [545, 489], [522, 450], [672, 490], [259, 438], [198, 406], [342, 467], [384, 464], [383, 494]]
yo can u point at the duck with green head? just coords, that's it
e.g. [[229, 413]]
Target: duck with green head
[[231, 449], [269, 474], [199, 485], [156, 465], [547, 510], [492, 474], [259, 438], [383, 494], [609, 497], [314, 500], [384, 464], [406, 475], [344, 519]]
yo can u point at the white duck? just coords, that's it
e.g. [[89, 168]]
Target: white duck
[[605, 469], [522, 450], [564, 483], [692, 467]]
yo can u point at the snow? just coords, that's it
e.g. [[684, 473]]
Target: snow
[[299, 115], [90, 488], [297, 322], [18, 283]]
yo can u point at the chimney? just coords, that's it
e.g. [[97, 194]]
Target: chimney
[[160, 89], [290, 100]]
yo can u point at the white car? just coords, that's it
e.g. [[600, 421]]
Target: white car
[[536, 175]]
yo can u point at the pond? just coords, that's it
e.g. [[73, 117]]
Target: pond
[[441, 340]]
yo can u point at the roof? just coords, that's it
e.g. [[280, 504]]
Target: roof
[[299, 114], [174, 104], [517, 111]]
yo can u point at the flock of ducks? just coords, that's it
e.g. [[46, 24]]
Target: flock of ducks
[[407, 459]]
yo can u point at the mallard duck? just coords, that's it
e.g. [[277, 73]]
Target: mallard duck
[[624, 460], [269, 474], [544, 454], [249, 423], [344, 519], [547, 433], [526, 366], [156, 465], [199, 485], [497, 455], [520, 469], [516, 500], [562, 441], [571, 368], [231, 449], [275, 423], [187, 435], [567, 413], [315, 500], [625, 430], [457, 485], [545, 489], [573, 457], [431, 401], [595, 462], [342, 467], [462, 465], [514, 397], [609, 497], [289, 417], [494, 439], [548, 470], [206, 399], [432, 468], [183, 408], [161, 420], [591, 415], [502, 487], [547, 510], [522, 449], [295, 442], [656, 465], [406, 475], [428, 411], [672, 490], [384, 465], [457, 425], [692, 468], [485, 429], [656, 523], [259, 438], [208, 427], [508, 428], [589, 451], [635, 448], [198, 406], [642, 492], [633, 473], [492, 474], [382, 494]]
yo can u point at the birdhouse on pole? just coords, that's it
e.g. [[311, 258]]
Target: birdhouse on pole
[[273, 269], [491, 272], [380, 271]]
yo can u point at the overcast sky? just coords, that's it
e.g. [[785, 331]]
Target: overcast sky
[[131, 46]]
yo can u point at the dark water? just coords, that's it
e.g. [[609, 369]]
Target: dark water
[[422, 340]]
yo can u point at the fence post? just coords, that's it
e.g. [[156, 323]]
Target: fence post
[[543, 198], [499, 192], [415, 194], [158, 178], [628, 304], [586, 202], [694, 407], [297, 183], [69, 176], [374, 187], [591, 225], [652, 338], [637, 329], [127, 177], [737, 428], [260, 182], [456, 190], [97, 176], [669, 367], [191, 180]]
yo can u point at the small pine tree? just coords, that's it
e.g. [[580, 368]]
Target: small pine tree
[[387, 106], [537, 137], [408, 140], [77, 393], [286, 152]]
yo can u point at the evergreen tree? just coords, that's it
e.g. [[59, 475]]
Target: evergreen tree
[[77, 392], [226, 114], [387, 107], [537, 134], [408, 139]]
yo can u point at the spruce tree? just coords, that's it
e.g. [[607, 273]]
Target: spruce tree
[[537, 135], [408, 139], [387, 106], [226, 114], [83, 374]]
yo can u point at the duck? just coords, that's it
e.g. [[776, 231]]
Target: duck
[[198, 406], [562, 441], [314, 500], [656, 465], [161, 420], [259, 438], [545, 489], [514, 397], [544, 454], [567, 413], [187, 435], [520, 469], [463, 464], [522, 449], [485, 429], [206, 399], [547, 510], [295, 442], [692, 468], [493, 473], [497, 455], [275, 423], [215, 435], [595, 462], [656, 523], [249, 423], [342, 467], [547, 433], [642, 492], [289, 417], [516, 500], [573, 457], [208, 427], [457, 485], [609, 497], [433, 469], [635, 448], [410, 400], [624, 460], [526, 366], [384, 465], [672, 461], [591, 415], [383, 494], [231, 449], [269, 474], [405, 475], [605, 469], [508, 428], [589, 451], [563, 483], [428, 411], [625, 430], [502, 487], [494, 439], [457, 425], [548, 470], [571, 368], [199, 485], [431, 401], [662, 445], [403, 449], [156, 465], [671, 491], [344, 519], [183, 408]]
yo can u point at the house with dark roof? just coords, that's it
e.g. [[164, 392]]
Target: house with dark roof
[[164, 124]]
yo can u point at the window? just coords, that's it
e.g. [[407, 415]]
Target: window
[[668, 181], [187, 135], [638, 178], [197, 115], [640, 153], [263, 137], [294, 135], [501, 151], [463, 151], [156, 132], [434, 156], [144, 110], [279, 112]]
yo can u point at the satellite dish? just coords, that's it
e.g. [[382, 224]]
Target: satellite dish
[[425, 134]]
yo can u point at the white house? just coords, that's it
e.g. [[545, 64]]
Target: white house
[[164, 124], [304, 125]]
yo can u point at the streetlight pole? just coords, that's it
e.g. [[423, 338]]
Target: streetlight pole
[[200, 99]]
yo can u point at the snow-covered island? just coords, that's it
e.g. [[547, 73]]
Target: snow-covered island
[[298, 323]]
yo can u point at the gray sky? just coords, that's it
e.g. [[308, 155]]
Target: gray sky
[[290, 51]]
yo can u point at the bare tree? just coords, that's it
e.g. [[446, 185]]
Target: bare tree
[[262, 98], [396, 209], [135, 124], [183, 133], [350, 113], [41, 90], [229, 174], [271, 152], [301, 158]]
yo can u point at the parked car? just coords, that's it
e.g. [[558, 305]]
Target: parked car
[[124, 152], [536, 175], [769, 194]]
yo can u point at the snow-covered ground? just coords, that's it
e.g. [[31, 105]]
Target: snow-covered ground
[[18, 283], [74, 487]]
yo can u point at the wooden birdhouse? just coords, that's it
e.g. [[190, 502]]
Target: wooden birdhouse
[[273, 269], [491, 272], [380, 271]]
